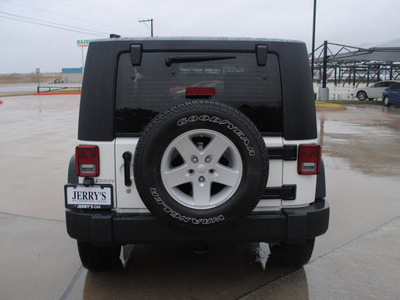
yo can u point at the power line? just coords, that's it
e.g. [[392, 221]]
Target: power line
[[63, 15], [97, 9], [51, 12], [50, 24], [66, 29], [92, 9], [53, 23]]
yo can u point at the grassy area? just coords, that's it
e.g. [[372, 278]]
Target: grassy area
[[63, 91], [323, 103], [327, 104], [357, 102]]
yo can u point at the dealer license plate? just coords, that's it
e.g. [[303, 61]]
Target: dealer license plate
[[88, 197]]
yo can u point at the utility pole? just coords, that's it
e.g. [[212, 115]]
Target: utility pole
[[148, 20], [324, 64], [313, 39], [38, 79], [324, 91]]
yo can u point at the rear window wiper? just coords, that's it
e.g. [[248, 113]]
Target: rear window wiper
[[194, 58]]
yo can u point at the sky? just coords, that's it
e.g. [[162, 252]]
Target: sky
[[43, 33]]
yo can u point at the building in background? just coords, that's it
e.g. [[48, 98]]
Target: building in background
[[72, 75]]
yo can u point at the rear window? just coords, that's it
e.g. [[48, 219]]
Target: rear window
[[157, 84]]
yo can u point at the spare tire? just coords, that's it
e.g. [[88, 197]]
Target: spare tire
[[201, 165]]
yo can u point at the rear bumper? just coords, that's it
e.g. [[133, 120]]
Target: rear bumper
[[288, 225]]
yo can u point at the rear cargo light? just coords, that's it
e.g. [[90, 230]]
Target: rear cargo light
[[309, 159], [200, 91], [87, 161]]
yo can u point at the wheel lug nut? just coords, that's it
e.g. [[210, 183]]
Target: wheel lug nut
[[208, 159], [195, 160], [202, 179]]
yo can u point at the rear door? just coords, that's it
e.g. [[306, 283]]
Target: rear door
[[395, 94], [376, 90], [160, 82]]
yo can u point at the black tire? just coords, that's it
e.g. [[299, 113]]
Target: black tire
[[205, 202], [294, 255], [99, 258], [362, 95], [386, 101]]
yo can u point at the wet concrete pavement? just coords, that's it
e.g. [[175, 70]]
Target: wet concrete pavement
[[358, 258]]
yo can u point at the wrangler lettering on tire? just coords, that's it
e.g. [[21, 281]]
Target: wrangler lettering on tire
[[201, 165]]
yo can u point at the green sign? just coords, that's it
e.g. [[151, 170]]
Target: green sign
[[82, 43]]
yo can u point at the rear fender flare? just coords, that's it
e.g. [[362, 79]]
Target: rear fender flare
[[320, 191]]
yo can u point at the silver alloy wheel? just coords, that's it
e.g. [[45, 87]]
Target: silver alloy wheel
[[362, 95], [201, 169]]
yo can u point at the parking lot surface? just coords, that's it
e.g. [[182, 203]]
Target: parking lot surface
[[357, 258]]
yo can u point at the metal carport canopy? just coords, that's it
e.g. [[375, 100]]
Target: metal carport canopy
[[377, 54]]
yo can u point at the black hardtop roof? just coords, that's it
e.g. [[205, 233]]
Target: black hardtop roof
[[96, 121], [205, 39], [197, 43]]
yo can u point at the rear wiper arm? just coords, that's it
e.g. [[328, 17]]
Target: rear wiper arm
[[194, 58]]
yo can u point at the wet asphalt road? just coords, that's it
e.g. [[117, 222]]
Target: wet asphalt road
[[17, 89], [358, 258], [20, 89]]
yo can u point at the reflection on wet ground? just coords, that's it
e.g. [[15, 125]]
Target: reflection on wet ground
[[366, 137], [37, 139], [226, 271]]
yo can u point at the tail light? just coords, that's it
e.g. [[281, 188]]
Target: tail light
[[309, 159], [200, 91], [87, 161]]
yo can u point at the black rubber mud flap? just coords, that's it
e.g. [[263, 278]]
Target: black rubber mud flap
[[99, 259], [201, 165]]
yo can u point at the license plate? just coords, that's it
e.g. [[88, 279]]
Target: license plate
[[88, 197]]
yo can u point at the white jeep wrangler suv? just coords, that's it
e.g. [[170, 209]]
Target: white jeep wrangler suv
[[196, 140]]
